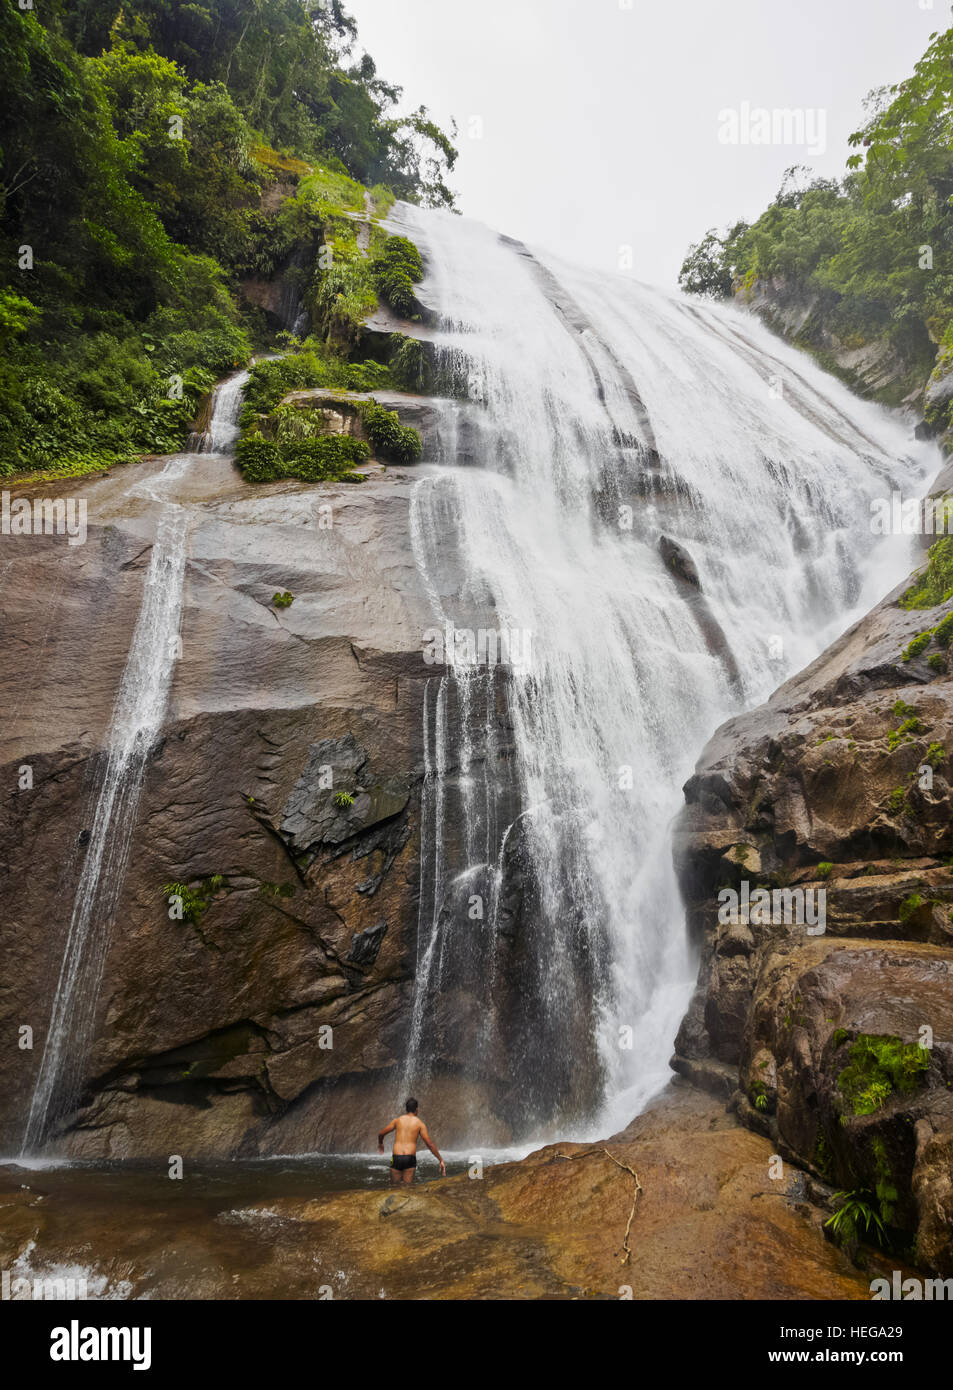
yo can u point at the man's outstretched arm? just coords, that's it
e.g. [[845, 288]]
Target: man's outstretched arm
[[380, 1137], [425, 1136]]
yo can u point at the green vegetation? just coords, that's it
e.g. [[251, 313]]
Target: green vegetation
[[878, 1067], [311, 367], [283, 599], [154, 156], [856, 1216], [886, 1188], [904, 734], [324, 459], [914, 648], [193, 902], [872, 250], [343, 799], [909, 906], [283, 441], [277, 890], [825, 869], [823, 1158], [935, 583], [395, 271], [896, 801], [934, 756], [389, 438]]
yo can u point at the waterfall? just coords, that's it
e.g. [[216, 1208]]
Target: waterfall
[[223, 421], [135, 723], [674, 506]]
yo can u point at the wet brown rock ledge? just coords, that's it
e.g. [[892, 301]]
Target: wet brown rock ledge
[[839, 1048], [709, 1223]]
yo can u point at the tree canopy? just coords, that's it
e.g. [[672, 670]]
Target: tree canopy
[[877, 245], [140, 139]]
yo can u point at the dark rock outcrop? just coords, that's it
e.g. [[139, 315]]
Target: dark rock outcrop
[[840, 785]]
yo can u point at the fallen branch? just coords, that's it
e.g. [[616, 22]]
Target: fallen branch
[[635, 1195]]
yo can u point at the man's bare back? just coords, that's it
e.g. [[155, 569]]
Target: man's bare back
[[408, 1129]]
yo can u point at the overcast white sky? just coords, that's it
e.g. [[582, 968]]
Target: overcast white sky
[[600, 118]]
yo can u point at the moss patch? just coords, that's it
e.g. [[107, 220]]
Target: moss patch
[[878, 1067], [935, 584]]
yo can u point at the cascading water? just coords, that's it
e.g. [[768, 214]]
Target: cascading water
[[223, 421], [619, 435], [134, 725]]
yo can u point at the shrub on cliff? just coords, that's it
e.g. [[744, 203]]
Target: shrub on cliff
[[935, 584], [395, 271], [391, 440], [275, 377], [325, 459]]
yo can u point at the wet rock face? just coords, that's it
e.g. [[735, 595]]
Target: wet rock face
[[552, 1226], [839, 785], [285, 793], [874, 370], [337, 797], [276, 1015]]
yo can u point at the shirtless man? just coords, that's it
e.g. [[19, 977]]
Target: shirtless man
[[403, 1165]]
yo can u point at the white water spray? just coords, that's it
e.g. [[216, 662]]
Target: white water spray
[[610, 423], [134, 726]]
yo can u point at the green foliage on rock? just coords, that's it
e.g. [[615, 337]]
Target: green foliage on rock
[[879, 1067], [935, 756], [943, 632], [324, 459], [935, 584], [904, 734], [409, 365], [916, 645], [390, 439], [192, 902], [313, 367], [395, 270], [856, 1216], [909, 906]]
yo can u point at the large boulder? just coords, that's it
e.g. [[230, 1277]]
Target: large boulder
[[838, 1029]]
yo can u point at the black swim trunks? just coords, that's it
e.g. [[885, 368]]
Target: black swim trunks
[[403, 1161]]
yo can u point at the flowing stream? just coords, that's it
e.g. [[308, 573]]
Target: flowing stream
[[617, 437], [135, 724]]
